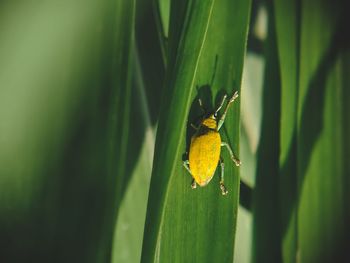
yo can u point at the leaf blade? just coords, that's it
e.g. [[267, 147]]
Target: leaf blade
[[169, 179]]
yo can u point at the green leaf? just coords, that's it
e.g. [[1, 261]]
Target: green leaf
[[287, 16], [128, 233], [131, 217], [151, 54], [322, 226], [313, 63], [199, 225], [129, 227], [266, 230], [163, 8], [64, 110]]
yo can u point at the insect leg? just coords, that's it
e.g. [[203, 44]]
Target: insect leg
[[194, 126], [233, 157], [222, 119], [200, 102], [186, 165], [193, 184], [221, 104], [222, 186]]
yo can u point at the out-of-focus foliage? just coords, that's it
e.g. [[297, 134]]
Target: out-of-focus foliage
[[64, 122]]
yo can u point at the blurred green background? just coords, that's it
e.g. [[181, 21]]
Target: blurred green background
[[96, 98]]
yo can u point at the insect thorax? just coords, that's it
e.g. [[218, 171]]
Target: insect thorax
[[209, 123]]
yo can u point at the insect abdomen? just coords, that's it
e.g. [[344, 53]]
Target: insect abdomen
[[204, 156]]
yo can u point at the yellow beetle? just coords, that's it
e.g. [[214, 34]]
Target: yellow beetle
[[204, 153]]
